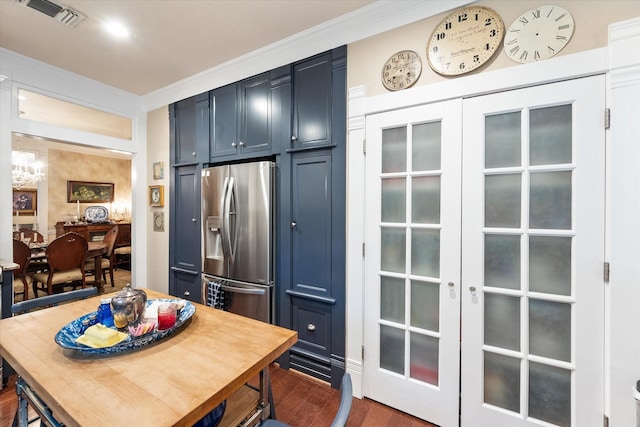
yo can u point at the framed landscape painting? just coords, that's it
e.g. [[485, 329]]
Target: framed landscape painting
[[25, 202], [89, 192]]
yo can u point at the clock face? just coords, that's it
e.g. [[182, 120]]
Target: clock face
[[538, 34], [402, 70], [465, 40]]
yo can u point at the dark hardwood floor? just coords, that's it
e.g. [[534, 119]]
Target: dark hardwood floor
[[301, 401]]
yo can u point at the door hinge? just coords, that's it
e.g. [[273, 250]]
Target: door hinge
[[364, 146], [607, 272], [605, 421], [607, 118], [363, 353], [362, 249]]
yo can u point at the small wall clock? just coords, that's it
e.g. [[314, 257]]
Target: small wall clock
[[465, 40], [402, 70], [538, 34]]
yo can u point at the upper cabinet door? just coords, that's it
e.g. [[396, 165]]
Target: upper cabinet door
[[255, 113], [224, 122], [190, 133], [312, 102]]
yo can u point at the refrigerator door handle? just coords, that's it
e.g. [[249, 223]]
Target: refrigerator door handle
[[247, 291], [224, 226], [226, 218]]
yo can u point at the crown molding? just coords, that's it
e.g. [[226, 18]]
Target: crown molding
[[376, 18]]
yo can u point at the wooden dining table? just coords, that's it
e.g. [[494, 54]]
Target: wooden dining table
[[172, 382]]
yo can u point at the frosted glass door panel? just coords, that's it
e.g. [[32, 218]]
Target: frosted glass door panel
[[393, 200], [423, 361], [392, 299], [502, 321], [502, 261], [425, 196], [502, 200], [550, 200], [550, 329], [550, 394], [392, 340], [394, 147], [550, 264], [425, 147], [502, 381], [425, 310], [503, 140], [393, 242], [425, 252], [550, 135]]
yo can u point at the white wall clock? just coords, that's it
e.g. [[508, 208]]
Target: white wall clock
[[538, 34], [465, 40], [402, 70]]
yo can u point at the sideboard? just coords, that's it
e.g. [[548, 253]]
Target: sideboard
[[97, 231]]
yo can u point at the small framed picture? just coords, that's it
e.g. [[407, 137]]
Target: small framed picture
[[156, 195], [25, 202], [158, 170], [158, 221]]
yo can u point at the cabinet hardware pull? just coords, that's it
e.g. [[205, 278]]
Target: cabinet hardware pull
[[194, 154], [193, 219], [294, 138], [241, 144], [293, 224], [472, 289], [451, 285], [187, 293], [311, 327], [233, 144]]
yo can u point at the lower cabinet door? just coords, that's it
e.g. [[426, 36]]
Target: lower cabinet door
[[186, 284]]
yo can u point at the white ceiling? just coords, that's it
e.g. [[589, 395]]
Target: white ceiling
[[171, 39]]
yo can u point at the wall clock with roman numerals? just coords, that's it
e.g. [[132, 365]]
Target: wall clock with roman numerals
[[538, 34], [465, 40]]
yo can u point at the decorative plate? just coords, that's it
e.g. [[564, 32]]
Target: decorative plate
[[66, 337], [96, 214]]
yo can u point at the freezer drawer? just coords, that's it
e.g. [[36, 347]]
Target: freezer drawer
[[246, 299]]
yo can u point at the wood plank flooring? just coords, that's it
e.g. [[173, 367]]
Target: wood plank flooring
[[301, 401]]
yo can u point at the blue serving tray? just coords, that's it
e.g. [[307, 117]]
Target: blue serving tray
[[66, 337]]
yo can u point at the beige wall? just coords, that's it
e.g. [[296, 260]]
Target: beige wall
[[158, 242], [68, 166], [591, 18]]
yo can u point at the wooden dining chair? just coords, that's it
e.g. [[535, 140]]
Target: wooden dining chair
[[108, 259], [22, 257], [340, 420], [65, 256]]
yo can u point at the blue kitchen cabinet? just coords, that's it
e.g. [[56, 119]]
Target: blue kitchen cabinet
[[187, 118]]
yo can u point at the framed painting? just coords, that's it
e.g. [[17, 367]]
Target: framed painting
[[25, 202], [156, 195], [90, 192], [158, 170]]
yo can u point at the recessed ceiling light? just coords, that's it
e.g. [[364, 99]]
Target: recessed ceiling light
[[117, 29]]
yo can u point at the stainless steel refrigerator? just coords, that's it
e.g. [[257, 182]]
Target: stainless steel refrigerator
[[237, 239]]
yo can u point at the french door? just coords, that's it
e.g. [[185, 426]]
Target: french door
[[485, 249]]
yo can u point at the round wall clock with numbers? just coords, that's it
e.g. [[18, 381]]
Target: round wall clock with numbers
[[538, 34], [465, 40], [402, 70]]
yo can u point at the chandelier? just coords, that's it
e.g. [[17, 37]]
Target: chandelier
[[25, 171]]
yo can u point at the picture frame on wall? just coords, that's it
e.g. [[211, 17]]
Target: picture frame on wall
[[158, 170], [90, 192], [156, 195], [25, 202], [158, 221]]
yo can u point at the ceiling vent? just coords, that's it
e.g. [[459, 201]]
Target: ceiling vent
[[62, 14]]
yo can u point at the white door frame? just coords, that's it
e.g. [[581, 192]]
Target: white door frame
[[623, 230]]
